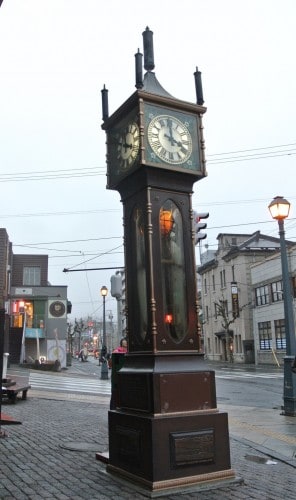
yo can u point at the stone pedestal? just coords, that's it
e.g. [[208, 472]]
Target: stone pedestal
[[167, 432]]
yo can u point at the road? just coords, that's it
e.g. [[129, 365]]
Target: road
[[235, 385], [249, 386]]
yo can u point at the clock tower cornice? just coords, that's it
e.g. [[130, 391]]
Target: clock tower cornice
[[140, 96]]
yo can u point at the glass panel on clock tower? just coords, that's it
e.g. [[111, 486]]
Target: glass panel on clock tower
[[140, 296], [173, 270]]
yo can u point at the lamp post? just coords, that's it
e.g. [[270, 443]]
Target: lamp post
[[111, 330], [104, 369], [279, 209]]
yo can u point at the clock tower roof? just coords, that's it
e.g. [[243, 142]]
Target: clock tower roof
[[149, 88], [152, 85]]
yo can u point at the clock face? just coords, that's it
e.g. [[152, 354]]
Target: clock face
[[128, 146], [170, 139], [57, 309]]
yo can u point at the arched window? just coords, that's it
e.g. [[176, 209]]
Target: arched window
[[173, 270], [141, 285]]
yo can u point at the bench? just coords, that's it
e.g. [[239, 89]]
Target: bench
[[10, 389]]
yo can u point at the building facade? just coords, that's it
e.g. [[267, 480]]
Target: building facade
[[5, 268], [35, 312], [38, 312], [268, 312], [227, 298]]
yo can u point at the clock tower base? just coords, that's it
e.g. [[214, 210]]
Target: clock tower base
[[167, 435]]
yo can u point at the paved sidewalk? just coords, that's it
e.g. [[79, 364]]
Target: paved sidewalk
[[52, 454]]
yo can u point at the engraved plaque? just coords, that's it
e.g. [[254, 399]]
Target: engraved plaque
[[187, 391], [189, 448]]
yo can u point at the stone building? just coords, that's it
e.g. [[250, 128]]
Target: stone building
[[268, 311], [226, 280]]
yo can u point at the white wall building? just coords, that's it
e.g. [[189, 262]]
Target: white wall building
[[226, 278], [268, 312]]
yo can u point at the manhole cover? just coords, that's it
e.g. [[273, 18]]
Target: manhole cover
[[80, 446], [260, 460]]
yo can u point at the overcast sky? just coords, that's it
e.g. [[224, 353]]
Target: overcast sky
[[55, 57]]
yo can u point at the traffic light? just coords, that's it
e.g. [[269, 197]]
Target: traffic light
[[116, 286], [198, 226]]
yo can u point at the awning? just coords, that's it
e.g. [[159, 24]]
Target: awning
[[222, 335], [33, 333]]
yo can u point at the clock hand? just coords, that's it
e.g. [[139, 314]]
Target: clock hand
[[125, 145], [175, 142], [171, 138]]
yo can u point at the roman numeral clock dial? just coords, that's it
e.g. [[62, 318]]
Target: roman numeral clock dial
[[170, 139], [128, 146]]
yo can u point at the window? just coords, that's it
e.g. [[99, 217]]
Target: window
[[173, 271], [209, 345], [222, 279], [207, 313], [277, 291], [262, 295], [238, 343], [216, 311], [233, 275], [140, 288], [213, 282], [225, 306], [217, 346], [32, 276], [264, 329], [205, 286], [280, 334]]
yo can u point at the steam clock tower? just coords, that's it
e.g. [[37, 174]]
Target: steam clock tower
[[166, 431]]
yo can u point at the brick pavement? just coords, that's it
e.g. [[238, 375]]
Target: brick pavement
[[36, 463]]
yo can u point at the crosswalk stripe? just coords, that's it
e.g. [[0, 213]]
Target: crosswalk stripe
[[249, 375], [97, 386], [71, 384]]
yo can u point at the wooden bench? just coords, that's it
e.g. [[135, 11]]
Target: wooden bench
[[10, 389]]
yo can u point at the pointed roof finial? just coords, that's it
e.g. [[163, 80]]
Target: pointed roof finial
[[198, 87], [148, 50], [139, 70]]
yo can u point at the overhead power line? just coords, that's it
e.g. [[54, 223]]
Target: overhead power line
[[107, 252], [212, 159], [68, 241], [252, 154], [253, 149], [245, 224], [236, 159], [116, 210], [69, 174], [35, 245], [50, 214]]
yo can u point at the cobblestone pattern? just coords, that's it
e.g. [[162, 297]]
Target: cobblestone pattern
[[34, 466]]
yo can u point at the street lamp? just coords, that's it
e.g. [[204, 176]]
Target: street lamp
[[104, 369], [279, 209]]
